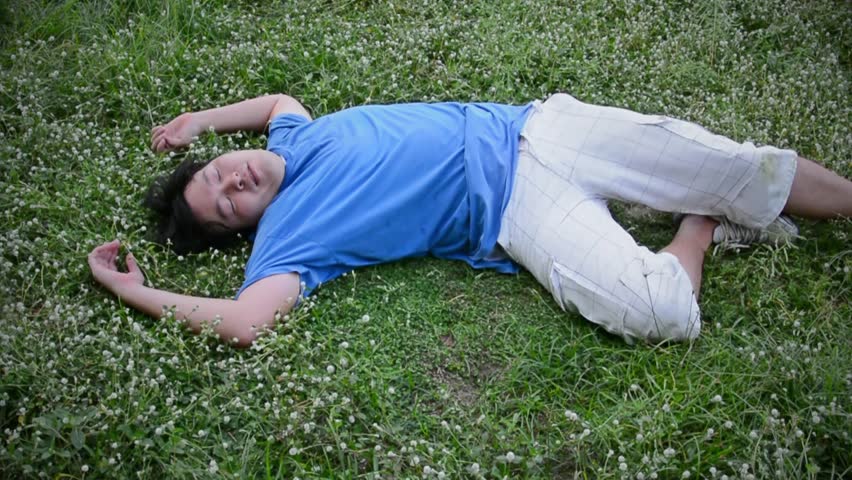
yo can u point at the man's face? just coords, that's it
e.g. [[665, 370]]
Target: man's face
[[231, 192]]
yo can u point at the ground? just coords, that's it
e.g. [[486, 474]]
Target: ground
[[423, 367]]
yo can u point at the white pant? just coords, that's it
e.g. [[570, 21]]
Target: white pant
[[574, 156]]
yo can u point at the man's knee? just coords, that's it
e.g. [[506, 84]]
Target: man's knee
[[652, 300], [664, 305]]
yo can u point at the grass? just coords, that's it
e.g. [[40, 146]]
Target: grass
[[423, 368]]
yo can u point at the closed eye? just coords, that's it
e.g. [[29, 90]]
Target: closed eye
[[218, 175], [233, 207]]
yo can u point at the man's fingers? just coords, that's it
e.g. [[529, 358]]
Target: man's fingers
[[104, 251], [155, 141], [109, 254], [132, 266]]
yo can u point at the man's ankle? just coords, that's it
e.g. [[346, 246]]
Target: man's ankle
[[697, 229]]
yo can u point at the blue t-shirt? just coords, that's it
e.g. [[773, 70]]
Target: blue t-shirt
[[379, 183]]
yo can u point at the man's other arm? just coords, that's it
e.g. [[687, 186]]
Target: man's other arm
[[236, 321], [247, 115]]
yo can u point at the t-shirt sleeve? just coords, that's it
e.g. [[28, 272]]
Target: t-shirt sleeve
[[273, 256], [281, 126]]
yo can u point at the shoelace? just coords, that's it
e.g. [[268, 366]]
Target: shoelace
[[734, 234]]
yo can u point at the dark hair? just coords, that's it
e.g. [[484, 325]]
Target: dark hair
[[177, 227]]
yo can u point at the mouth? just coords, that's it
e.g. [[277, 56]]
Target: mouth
[[253, 175]]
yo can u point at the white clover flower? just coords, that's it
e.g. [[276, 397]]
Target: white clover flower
[[84, 468], [716, 399], [294, 451], [669, 452], [571, 415]]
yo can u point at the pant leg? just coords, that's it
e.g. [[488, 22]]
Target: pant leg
[[571, 244], [661, 162]]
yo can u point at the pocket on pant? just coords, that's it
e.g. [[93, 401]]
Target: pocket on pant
[[575, 293]]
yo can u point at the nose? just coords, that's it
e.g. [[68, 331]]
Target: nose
[[236, 181]]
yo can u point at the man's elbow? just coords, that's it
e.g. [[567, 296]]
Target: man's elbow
[[248, 330], [292, 105]]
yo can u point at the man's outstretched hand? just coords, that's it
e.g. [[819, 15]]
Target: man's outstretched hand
[[178, 133], [102, 262]]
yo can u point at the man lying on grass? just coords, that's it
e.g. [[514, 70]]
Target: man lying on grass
[[494, 185]]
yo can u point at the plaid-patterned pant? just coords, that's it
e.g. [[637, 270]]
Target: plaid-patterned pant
[[574, 156]]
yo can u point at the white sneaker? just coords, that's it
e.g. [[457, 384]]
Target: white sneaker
[[782, 230]]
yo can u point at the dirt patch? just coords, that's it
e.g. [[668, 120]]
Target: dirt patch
[[489, 371], [461, 390]]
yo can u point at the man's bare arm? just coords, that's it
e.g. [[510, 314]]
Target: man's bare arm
[[238, 320], [247, 115]]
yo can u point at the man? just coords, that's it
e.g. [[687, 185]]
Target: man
[[488, 184]]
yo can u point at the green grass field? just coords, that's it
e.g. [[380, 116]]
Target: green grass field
[[424, 368]]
